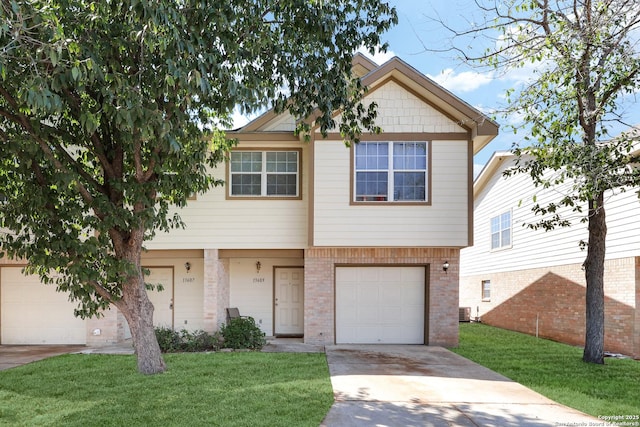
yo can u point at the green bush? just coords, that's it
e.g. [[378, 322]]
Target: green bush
[[243, 333], [168, 339], [172, 341]]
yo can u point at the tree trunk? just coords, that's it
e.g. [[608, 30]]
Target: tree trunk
[[594, 273], [138, 310]]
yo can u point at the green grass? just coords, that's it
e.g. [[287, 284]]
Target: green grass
[[212, 389], [555, 370]]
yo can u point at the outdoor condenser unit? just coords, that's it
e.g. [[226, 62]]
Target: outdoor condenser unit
[[465, 314]]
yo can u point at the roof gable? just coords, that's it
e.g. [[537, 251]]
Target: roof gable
[[481, 128]]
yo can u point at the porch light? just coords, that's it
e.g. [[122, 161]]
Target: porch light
[[445, 266], [258, 266], [187, 266]]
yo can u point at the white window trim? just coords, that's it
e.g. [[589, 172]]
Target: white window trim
[[390, 175], [501, 247], [264, 174], [485, 299]]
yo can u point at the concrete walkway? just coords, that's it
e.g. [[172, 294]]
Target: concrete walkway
[[400, 385], [17, 355]]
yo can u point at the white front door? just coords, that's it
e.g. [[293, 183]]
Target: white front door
[[162, 300], [289, 301]]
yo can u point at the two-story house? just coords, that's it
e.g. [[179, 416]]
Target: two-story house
[[532, 281], [315, 239]]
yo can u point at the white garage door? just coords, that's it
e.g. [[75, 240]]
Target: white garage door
[[380, 305], [33, 313]]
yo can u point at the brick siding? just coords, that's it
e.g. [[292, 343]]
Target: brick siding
[[551, 303], [319, 277]]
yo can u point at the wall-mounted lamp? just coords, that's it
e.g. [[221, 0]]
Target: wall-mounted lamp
[[445, 266], [258, 266], [187, 266]]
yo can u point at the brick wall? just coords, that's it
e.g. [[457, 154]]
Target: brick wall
[[216, 290], [319, 276], [551, 303], [107, 328]]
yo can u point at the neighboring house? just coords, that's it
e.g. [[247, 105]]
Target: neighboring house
[[532, 281], [334, 244]]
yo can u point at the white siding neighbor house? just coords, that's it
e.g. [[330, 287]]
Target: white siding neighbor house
[[532, 281], [314, 239]]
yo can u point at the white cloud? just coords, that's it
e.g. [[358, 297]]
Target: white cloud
[[379, 57], [466, 81], [477, 168]]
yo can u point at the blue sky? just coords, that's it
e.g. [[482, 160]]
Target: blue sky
[[482, 89]]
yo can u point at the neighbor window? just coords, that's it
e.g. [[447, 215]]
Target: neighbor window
[[390, 172], [501, 230], [264, 173], [486, 290]]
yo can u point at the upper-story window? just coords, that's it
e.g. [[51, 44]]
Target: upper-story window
[[390, 172], [501, 230], [265, 174]]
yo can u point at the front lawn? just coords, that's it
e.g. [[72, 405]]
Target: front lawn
[[199, 389], [556, 370]]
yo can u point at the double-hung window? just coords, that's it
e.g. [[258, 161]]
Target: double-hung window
[[501, 231], [486, 290], [390, 172], [265, 174]]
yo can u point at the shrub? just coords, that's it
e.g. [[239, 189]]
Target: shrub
[[242, 333], [172, 341], [168, 339]]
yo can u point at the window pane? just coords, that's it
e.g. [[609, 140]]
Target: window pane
[[236, 159], [506, 220], [409, 186], [282, 161], [371, 186], [281, 185], [410, 155], [495, 240], [495, 224], [372, 156], [501, 230], [506, 237], [245, 185], [486, 289]]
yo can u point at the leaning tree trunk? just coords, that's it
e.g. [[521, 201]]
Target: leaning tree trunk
[[594, 273], [138, 309]]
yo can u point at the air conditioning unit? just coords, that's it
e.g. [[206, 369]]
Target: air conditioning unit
[[465, 314]]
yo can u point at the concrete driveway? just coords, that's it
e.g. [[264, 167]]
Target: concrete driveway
[[16, 355], [402, 385]]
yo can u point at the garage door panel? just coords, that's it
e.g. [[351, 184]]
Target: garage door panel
[[388, 304], [34, 313], [392, 295], [367, 315]]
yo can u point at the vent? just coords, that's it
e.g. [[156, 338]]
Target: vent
[[465, 314]]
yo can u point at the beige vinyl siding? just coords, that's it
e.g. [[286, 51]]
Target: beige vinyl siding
[[213, 221], [188, 286], [538, 248], [442, 223], [252, 291]]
